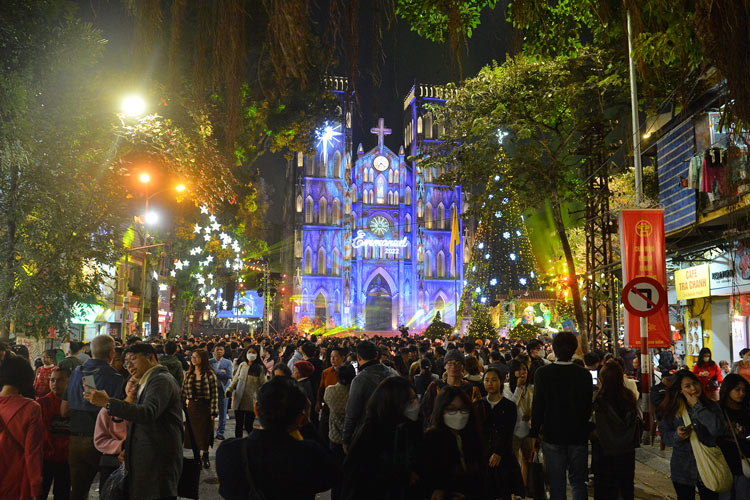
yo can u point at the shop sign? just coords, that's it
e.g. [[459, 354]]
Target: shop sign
[[643, 255], [692, 282]]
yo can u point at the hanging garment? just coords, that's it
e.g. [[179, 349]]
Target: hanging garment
[[714, 172], [694, 172]]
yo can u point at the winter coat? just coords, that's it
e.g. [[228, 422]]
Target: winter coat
[[369, 377], [153, 448], [708, 423], [174, 366], [245, 385], [618, 431], [21, 435]]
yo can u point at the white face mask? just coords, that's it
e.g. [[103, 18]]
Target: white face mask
[[251, 356], [412, 411], [456, 421]]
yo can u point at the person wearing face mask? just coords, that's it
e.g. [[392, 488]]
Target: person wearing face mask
[[742, 367], [709, 373], [686, 400], [450, 459], [248, 378], [380, 462], [497, 419]]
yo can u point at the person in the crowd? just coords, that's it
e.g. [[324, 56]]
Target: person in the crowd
[[742, 367], [173, 364], [709, 373], [21, 433], [280, 464], [200, 394], [110, 434], [687, 397], [657, 395], [153, 448], [281, 370], [450, 459], [295, 354], [535, 348], [310, 354], [560, 414], [473, 375], [302, 372], [335, 398], [380, 461], [425, 377], [222, 367], [118, 363], [497, 420], [617, 430], [454, 368], [725, 368], [83, 456], [41, 380], [71, 361], [666, 361], [77, 349], [328, 378], [268, 361], [56, 437], [521, 393], [371, 373], [247, 379], [734, 400]]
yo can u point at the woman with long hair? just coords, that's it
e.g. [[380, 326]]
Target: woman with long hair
[[519, 390], [686, 398], [379, 464], [616, 424], [734, 400], [248, 378], [201, 395], [709, 373], [450, 458]]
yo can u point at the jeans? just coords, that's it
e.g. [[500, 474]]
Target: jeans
[[572, 458], [686, 491], [222, 415], [84, 464], [740, 489], [56, 473], [243, 420]]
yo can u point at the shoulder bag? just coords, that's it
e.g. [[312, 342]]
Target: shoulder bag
[[712, 466], [743, 459], [190, 477]]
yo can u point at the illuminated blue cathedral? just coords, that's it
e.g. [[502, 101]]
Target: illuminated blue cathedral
[[371, 230]]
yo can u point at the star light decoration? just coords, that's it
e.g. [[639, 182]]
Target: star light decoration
[[200, 260], [327, 136]]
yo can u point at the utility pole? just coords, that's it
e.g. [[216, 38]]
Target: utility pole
[[266, 295], [635, 120]]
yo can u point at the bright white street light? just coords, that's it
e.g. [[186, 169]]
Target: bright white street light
[[133, 105], [151, 218]]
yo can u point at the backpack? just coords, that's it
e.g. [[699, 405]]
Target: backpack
[[618, 433]]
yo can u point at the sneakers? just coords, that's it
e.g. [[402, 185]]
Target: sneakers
[[220, 437], [206, 461]]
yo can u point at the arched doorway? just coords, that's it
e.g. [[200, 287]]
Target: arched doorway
[[378, 305], [321, 311]]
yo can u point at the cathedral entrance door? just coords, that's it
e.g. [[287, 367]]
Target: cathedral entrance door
[[378, 306]]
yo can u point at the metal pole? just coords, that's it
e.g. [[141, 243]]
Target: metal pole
[[143, 272], [123, 330], [635, 121], [645, 375], [267, 299]]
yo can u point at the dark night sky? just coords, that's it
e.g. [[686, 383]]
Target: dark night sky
[[407, 58]]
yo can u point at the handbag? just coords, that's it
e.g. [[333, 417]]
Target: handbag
[[743, 459], [712, 466], [535, 478], [190, 478], [115, 487]]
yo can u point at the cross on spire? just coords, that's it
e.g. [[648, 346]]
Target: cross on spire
[[381, 131]]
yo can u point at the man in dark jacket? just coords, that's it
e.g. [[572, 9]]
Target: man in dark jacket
[[170, 361], [278, 462], [153, 448], [560, 412], [371, 373]]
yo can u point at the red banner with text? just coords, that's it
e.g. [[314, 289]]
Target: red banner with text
[[643, 254]]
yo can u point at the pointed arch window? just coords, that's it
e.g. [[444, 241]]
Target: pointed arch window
[[337, 303], [395, 177], [441, 265], [407, 224], [440, 304], [337, 165], [309, 209], [380, 189], [323, 168], [441, 216], [407, 252], [428, 264], [336, 212], [299, 203], [365, 175], [335, 263], [420, 209], [308, 261], [322, 261], [428, 126], [390, 197], [390, 176], [323, 211], [419, 125], [395, 197], [428, 216], [407, 196]]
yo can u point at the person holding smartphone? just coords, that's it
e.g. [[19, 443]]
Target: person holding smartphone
[[686, 394]]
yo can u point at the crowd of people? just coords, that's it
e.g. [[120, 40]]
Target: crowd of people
[[384, 418]]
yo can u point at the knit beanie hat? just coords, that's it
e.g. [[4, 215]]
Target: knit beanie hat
[[305, 368], [455, 355]]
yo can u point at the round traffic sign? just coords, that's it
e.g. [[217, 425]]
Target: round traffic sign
[[644, 296]]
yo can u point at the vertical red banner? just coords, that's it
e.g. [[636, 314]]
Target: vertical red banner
[[642, 250]]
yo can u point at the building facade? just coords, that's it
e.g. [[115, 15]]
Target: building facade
[[372, 231]]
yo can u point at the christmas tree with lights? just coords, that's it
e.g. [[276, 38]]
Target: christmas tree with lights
[[502, 262]]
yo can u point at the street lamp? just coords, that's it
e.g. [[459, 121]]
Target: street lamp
[[133, 105], [151, 218], [145, 178], [180, 188]]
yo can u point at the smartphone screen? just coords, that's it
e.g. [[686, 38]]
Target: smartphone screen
[[594, 376], [88, 381]]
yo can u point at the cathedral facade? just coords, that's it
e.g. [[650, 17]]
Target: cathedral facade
[[377, 243]]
